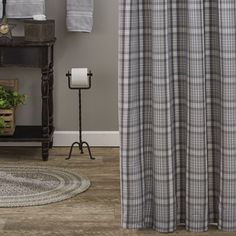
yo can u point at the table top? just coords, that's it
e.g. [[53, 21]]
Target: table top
[[20, 42]]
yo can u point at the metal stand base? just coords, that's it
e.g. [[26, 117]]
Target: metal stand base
[[81, 143], [81, 149]]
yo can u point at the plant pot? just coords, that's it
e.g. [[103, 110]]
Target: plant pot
[[8, 116]]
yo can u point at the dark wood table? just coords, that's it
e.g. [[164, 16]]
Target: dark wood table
[[36, 55]]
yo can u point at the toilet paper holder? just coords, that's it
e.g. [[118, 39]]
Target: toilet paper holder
[[80, 143], [90, 75]]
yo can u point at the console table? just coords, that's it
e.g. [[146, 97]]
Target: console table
[[38, 55]]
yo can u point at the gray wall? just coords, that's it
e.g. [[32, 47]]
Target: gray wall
[[98, 51]]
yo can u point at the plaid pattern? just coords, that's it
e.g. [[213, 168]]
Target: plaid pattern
[[177, 85]]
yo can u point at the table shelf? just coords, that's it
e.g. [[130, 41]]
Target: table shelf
[[27, 134]]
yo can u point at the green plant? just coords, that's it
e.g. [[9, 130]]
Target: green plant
[[10, 99]]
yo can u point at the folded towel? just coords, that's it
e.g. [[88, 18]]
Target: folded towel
[[23, 8], [80, 15]]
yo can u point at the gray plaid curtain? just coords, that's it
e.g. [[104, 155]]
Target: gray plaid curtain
[[178, 113]]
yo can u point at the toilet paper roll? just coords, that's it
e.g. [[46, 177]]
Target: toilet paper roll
[[79, 78]]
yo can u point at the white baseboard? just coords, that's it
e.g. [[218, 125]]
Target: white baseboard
[[66, 138], [94, 138]]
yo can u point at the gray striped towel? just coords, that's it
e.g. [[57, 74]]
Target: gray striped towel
[[24, 8], [80, 15]]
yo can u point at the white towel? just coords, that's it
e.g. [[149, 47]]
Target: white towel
[[23, 8], [80, 15]]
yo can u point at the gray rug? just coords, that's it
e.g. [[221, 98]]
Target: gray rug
[[35, 186]]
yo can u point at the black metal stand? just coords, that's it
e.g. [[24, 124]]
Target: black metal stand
[[81, 143]]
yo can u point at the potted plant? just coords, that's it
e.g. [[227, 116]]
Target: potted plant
[[9, 100]]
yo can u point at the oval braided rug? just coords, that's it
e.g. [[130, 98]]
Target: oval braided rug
[[35, 186]]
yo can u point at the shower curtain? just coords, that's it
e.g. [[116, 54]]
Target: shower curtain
[[177, 102]]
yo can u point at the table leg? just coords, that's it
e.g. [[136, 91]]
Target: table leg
[[51, 84], [51, 121], [45, 112]]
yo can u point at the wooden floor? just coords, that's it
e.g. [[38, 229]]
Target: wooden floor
[[95, 212]]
